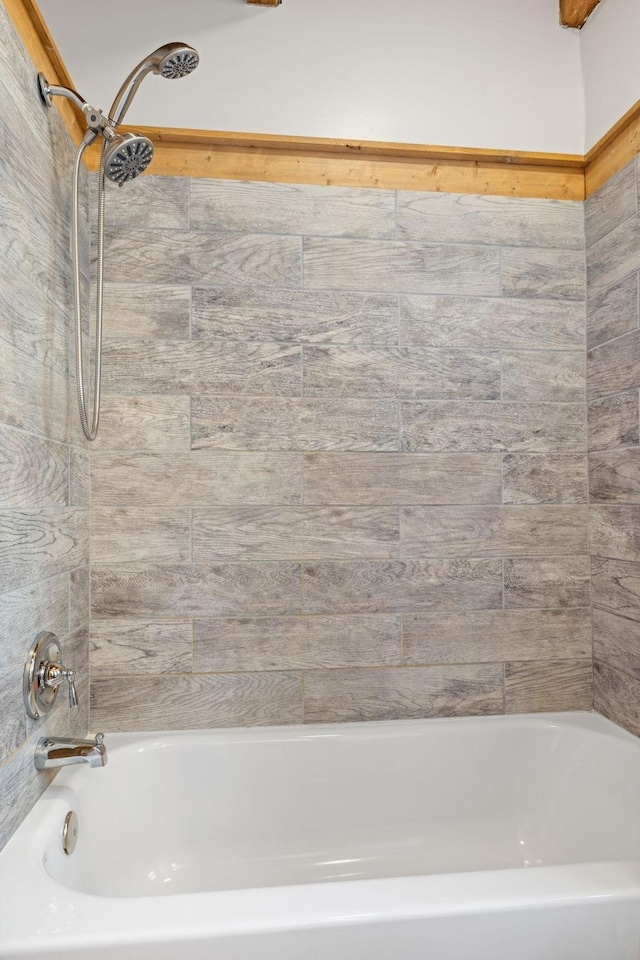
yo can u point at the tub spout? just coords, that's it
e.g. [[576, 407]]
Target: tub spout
[[52, 752]]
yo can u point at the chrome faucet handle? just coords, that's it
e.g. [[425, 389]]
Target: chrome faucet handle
[[54, 673]]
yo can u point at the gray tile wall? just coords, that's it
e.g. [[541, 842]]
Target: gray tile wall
[[341, 473], [44, 471], [613, 382]]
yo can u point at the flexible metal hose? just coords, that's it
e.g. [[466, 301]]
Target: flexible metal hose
[[90, 432]]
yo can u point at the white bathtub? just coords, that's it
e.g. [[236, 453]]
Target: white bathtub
[[500, 837]]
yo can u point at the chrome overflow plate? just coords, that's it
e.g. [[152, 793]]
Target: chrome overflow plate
[[70, 832], [43, 673]]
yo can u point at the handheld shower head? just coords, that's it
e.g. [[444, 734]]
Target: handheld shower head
[[172, 61]]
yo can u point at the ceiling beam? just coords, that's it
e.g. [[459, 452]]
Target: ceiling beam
[[265, 3], [575, 13]]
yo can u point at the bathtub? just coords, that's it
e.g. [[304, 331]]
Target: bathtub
[[459, 839]]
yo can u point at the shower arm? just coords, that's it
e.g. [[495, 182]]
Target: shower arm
[[96, 120]]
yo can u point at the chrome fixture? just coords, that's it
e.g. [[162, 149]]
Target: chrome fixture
[[43, 674], [69, 835], [53, 752], [123, 158]]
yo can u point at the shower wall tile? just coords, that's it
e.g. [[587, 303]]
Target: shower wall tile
[[492, 531], [196, 701], [617, 696], [544, 375], [146, 310], [290, 533], [614, 367], [613, 312], [294, 424], [544, 478], [199, 479], [492, 323], [613, 203], [496, 635], [615, 642], [497, 427], [615, 531], [542, 273], [148, 202], [44, 515], [401, 267], [124, 648], [296, 643], [258, 207], [195, 589], [335, 696], [286, 316], [547, 582], [401, 478], [144, 423], [509, 221], [541, 687], [615, 586], [614, 476], [135, 366], [613, 258], [354, 371], [340, 442], [151, 534], [613, 421]]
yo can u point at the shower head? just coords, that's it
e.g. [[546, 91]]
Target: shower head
[[172, 61], [126, 156]]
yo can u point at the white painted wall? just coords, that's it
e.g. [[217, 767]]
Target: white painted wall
[[477, 73], [610, 47]]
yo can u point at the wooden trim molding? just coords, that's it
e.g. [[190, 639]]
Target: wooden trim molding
[[575, 13], [355, 163]]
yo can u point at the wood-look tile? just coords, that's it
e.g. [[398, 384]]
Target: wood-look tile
[[616, 641], [491, 323], [614, 476], [33, 397], [292, 643], [614, 366], [544, 478], [614, 257], [612, 312], [467, 218], [292, 208], [35, 472], [496, 635], [157, 202], [546, 687], [139, 534], [464, 531], [388, 266], [613, 421], [554, 376], [356, 371], [39, 543], [196, 702], [195, 589], [294, 533], [615, 531], [80, 599], [302, 316], [617, 696], [615, 586], [180, 256], [537, 272], [79, 476], [135, 366], [146, 310], [130, 647], [199, 479], [376, 586], [613, 203], [498, 426], [144, 423], [393, 693], [20, 788], [546, 582], [293, 424], [401, 478]]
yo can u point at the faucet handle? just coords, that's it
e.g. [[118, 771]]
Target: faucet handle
[[70, 677], [99, 739], [54, 673]]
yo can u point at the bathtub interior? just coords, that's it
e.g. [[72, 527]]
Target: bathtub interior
[[187, 813]]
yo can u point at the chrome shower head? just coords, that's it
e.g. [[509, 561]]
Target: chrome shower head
[[178, 62], [126, 156], [172, 61]]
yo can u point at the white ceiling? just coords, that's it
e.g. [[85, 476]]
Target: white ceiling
[[478, 73]]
